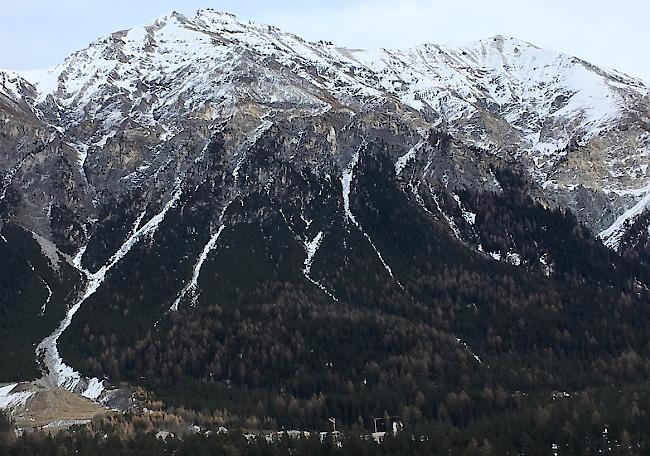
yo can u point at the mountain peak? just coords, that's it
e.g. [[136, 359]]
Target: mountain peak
[[213, 61], [204, 19], [219, 170], [214, 14]]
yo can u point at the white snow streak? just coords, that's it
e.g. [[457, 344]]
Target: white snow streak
[[418, 198], [311, 248], [404, 159], [191, 287], [322, 287], [58, 372], [49, 296], [346, 183], [478, 360]]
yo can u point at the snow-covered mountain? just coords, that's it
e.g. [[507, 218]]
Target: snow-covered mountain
[[167, 136], [581, 130]]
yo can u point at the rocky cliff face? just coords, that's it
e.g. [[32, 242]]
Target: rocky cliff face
[[164, 142], [118, 111]]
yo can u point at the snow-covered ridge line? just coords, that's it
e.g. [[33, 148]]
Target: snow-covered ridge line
[[454, 81], [58, 373], [209, 65]]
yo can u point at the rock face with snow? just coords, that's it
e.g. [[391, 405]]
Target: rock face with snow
[[210, 121], [113, 111]]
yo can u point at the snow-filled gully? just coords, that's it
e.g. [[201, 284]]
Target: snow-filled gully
[[56, 371], [49, 296], [407, 157], [191, 287], [196, 272], [346, 184], [469, 350], [311, 247]]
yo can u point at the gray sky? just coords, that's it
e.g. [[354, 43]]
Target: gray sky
[[612, 33]]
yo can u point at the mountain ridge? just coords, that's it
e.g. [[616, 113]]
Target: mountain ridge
[[266, 202], [477, 92]]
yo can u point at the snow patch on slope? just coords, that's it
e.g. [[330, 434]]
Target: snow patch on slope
[[469, 216], [10, 400], [94, 390], [612, 236]]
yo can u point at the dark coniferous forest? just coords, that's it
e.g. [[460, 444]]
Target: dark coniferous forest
[[217, 238], [469, 354]]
